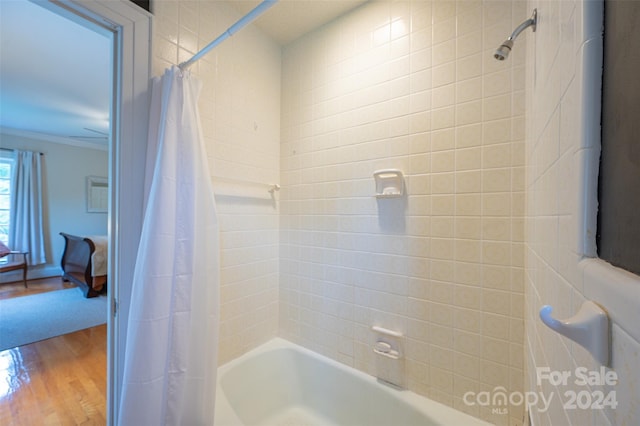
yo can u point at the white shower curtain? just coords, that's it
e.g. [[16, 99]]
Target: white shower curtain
[[172, 337], [26, 231]]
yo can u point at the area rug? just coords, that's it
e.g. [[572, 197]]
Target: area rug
[[28, 319]]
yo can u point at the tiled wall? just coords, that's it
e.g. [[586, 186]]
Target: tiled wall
[[240, 117], [562, 151], [413, 86]]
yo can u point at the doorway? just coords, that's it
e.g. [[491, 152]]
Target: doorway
[[57, 86], [130, 28]]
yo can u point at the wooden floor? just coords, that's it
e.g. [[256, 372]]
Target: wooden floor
[[58, 381]]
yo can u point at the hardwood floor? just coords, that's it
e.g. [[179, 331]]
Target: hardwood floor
[[58, 381]]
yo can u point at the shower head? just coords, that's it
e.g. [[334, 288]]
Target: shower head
[[503, 51]]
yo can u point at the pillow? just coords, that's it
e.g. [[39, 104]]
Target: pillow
[[4, 250]]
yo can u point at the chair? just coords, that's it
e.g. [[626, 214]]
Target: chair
[[13, 261]]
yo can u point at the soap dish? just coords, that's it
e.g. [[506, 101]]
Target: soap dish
[[389, 183]]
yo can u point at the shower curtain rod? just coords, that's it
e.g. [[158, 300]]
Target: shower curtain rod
[[257, 11]]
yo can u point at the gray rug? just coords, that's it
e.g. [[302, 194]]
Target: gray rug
[[28, 319]]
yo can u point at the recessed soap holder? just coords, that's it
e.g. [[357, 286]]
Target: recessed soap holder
[[389, 183], [388, 348]]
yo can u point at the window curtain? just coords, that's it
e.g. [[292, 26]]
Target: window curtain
[[26, 231], [170, 360]]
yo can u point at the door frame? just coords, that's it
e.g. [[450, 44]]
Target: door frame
[[131, 28]]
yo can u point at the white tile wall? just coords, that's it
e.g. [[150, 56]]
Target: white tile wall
[[240, 116], [413, 86], [561, 170], [408, 85]]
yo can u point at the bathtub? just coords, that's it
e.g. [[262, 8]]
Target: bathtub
[[280, 383]]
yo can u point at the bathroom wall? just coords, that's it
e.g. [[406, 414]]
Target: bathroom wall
[[412, 86], [564, 66], [240, 118]]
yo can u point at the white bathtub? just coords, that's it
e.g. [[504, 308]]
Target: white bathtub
[[280, 383]]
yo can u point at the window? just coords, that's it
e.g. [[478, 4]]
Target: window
[[6, 166], [619, 194]]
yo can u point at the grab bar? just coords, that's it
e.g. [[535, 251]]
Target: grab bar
[[589, 328]]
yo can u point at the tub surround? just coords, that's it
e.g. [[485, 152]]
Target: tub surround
[[411, 86], [564, 65]]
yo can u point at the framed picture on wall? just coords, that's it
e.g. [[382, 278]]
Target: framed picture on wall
[[97, 194]]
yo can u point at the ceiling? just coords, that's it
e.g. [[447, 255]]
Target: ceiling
[[55, 74], [287, 20]]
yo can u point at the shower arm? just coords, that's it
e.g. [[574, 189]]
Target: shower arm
[[531, 22]]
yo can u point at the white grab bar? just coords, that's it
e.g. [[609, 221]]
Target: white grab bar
[[589, 328]]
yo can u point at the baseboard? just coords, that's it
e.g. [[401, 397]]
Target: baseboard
[[35, 273]]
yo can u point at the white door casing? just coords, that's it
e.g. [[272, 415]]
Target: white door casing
[[130, 26]]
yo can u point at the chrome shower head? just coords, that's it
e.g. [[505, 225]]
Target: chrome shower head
[[503, 51]]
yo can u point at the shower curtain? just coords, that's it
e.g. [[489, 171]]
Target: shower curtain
[[171, 350]]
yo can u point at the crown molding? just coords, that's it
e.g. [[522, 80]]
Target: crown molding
[[100, 146]]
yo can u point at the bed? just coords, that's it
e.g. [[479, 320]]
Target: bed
[[84, 263]]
